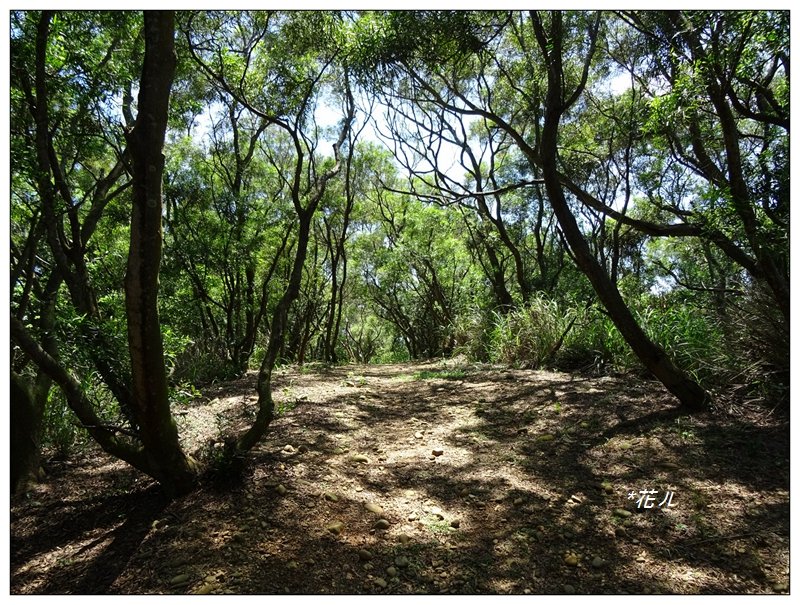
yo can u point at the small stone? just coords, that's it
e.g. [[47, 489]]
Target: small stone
[[621, 512], [381, 524], [381, 582], [281, 489], [374, 508], [364, 555], [437, 452], [569, 589], [302, 449], [546, 437], [597, 562], [401, 561], [418, 435], [413, 516], [359, 458], [288, 449], [435, 510], [335, 527], [292, 565], [331, 497], [368, 566], [391, 572], [571, 559], [518, 502], [780, 587], [404, 538], [619, 532], [180, 580], [206, 588], [456, 523]]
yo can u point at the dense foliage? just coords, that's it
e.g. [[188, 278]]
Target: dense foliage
[[579, 190]]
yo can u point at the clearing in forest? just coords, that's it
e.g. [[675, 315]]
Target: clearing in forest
[[431, 479]]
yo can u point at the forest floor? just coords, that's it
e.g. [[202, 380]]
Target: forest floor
[[434, 478]]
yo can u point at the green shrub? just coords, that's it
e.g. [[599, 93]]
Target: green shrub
[[60, 431], [529, 336]]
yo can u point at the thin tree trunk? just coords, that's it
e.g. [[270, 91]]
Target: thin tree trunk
[[266, 405]]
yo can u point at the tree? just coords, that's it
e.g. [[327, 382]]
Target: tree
[[151, 444], [551, 39], [166, 460], [729, 71], [298, 64], [61, 173], [461, 69], [225, 206]]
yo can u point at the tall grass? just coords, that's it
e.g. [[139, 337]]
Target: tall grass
[[692, 338], [531, 335], [569, 337]]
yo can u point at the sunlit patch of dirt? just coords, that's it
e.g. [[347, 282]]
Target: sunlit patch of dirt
[[439, 478]]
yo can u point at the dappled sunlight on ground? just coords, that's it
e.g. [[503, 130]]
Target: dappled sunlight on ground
[[433, 479]]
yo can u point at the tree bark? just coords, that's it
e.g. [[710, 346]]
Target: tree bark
[[25, 432], [691, 395], [277, 334], [166, 460]]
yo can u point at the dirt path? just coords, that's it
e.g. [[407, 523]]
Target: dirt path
[[431, 478]]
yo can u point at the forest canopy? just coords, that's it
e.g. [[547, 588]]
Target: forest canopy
[[199, 194]]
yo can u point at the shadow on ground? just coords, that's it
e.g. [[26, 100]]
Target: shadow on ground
[[413, 480]]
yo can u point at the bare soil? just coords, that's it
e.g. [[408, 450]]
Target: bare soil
[[432, 478]]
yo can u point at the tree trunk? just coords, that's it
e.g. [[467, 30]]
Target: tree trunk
[[266, 406], [166, 460], [691, 395], [27, 410], [28, 401]]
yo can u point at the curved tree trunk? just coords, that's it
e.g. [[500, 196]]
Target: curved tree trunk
[[266, 406], [691, 395], [277, 334], [166, 460]]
